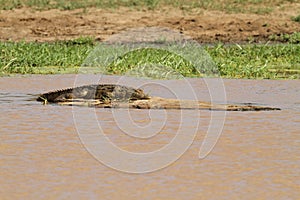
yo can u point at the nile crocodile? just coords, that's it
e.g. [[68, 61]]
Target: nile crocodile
[[118, 96], [101, 92]]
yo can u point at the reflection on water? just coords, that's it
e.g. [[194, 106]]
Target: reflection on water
[[42, 157]]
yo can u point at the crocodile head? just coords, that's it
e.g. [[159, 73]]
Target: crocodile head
[[139, 94]]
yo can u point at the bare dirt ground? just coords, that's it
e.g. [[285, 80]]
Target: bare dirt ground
[[203, 26]]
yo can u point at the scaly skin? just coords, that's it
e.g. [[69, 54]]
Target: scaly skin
[[103, 92]]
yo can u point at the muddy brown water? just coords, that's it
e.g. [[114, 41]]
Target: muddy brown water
[[256, 157]]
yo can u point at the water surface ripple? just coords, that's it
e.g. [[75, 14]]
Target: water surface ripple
[[256, 157]]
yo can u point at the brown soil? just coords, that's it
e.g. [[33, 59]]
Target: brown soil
[[204, 26]]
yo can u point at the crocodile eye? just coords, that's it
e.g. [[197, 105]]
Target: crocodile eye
[[69, 96]]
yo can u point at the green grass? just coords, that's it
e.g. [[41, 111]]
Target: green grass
[[258, 61], [232, 61], [230, 6], [152, 60], [33, 57], [296, 19], [143, 61], [293, 38]]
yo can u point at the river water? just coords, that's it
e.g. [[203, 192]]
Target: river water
[[46, 151]]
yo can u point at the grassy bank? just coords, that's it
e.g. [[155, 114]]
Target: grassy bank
[[232, 61], [230, 6]]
